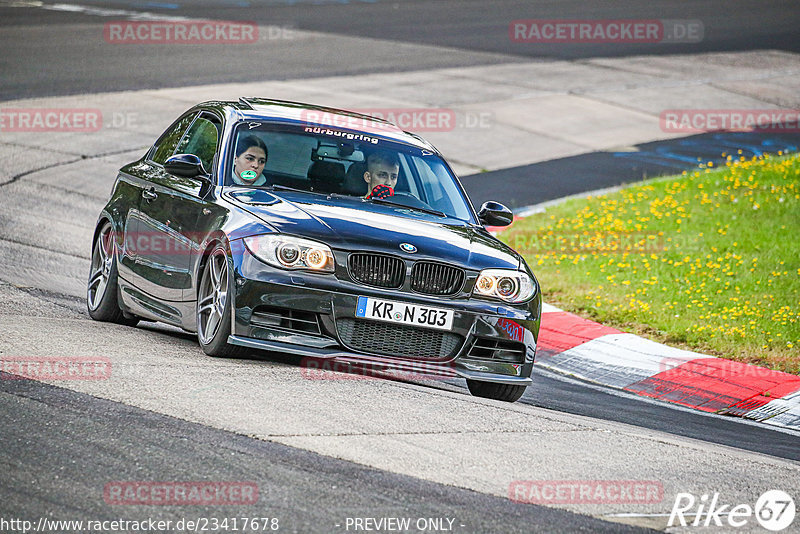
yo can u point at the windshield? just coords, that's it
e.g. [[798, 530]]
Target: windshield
[[324, 160]]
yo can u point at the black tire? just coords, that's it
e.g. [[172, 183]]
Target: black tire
[[102, 288], [214, 338], [492, 390]]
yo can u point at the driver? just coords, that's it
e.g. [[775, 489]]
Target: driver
[[381, 174], [251, 156]]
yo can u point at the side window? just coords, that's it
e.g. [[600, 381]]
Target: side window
[[200, 140], [439, 187], [169, 140], [405, 181]]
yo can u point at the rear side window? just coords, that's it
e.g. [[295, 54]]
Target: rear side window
[[169, 139], [200, 140]]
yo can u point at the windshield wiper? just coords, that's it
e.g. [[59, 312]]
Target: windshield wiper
[[415, 208], [279, 187]]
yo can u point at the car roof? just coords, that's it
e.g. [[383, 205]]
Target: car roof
[[254, 108]]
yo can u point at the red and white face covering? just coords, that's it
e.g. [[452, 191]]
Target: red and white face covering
[[381, 191]]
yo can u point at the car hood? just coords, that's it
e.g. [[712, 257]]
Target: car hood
[[350, 223]]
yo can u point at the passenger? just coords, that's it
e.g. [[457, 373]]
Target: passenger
[[248, 166], [381, 174]]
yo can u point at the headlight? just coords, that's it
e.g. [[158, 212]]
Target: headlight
[[504, 284], [289, 252]]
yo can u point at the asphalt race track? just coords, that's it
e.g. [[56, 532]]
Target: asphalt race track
[[469, 32], [308, 492], [558, 178], [323, 452]]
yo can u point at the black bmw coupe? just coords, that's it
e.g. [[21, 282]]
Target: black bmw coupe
[[287, 227]]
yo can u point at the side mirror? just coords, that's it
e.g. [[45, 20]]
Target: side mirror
[[187, 166], [495, 214]]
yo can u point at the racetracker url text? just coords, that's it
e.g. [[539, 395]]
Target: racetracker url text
[[198, 524]]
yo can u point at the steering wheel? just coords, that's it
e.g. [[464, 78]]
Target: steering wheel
[[409, 200]]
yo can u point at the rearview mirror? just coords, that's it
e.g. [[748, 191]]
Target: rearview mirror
[[187, 166], [495, 214]]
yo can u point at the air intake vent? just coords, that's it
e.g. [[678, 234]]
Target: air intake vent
[[436, 278], [497, 350], [377, 270], [286, 318], [398, 340]]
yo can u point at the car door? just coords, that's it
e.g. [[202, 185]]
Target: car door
[[168, 214], [140, 176]]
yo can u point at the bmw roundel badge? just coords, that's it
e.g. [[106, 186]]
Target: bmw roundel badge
[[408, 247]]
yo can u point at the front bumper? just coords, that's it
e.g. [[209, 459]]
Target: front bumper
[[330, 301]]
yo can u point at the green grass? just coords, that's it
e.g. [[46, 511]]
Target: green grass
[[706, 261]]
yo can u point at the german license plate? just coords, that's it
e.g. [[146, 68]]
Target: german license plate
[[404, 313]]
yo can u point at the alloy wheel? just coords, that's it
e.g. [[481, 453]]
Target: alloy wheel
[[213, 296], [102, 260]]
